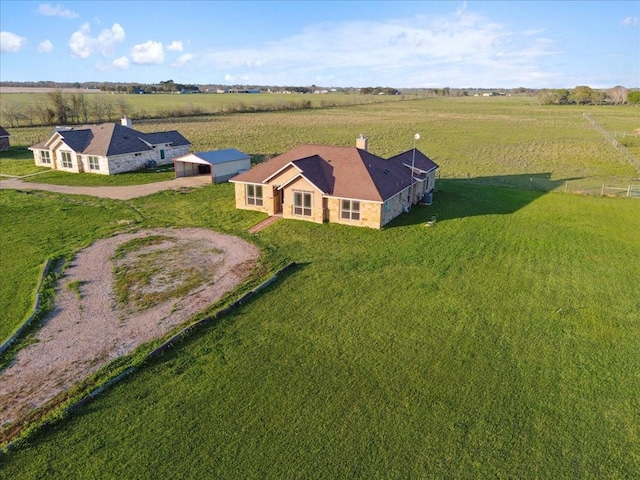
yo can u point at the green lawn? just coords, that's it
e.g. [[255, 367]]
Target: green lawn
[[501, 343]]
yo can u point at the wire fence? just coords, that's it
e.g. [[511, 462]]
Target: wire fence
[[612, 140], [606, 187]]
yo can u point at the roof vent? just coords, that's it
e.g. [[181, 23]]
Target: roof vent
[[386, 170], [362, 142]]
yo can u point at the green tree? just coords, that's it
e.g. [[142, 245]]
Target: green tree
[[582, 95], [634, 97]]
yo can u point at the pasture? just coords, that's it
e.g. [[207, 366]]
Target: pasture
[[502, 342], [470, 137]]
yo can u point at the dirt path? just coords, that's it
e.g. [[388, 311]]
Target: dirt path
[[116, 193], [88, 328]]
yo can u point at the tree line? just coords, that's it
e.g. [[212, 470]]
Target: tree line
[[584, 95]]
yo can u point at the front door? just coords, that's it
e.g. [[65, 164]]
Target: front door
[[278, 198]]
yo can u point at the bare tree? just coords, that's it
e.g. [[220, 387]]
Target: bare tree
[[13, 112], [122, 106], [60, 105], [618, 94]]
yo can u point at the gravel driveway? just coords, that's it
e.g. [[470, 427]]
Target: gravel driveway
[[116, 193], [87, 328]]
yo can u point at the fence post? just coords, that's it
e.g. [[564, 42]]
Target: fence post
[[602, 191], [629, 191]]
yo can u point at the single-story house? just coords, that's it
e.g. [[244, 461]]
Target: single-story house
[[108, 148], [220, 164], [4, 140], [348, 185]]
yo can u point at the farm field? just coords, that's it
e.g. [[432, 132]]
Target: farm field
[[502, 342], [163, 105], [503, 140]]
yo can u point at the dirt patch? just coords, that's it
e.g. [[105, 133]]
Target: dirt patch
[[170, 280]]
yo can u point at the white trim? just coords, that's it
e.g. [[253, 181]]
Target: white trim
[[281, 170], [300, 175]]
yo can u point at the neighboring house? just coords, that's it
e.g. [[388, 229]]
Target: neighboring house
[[4, 140], [220, 164], [347, 185], [108, 148]]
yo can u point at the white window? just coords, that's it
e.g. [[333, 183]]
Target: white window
[[66, 160], [254, 195], [350, 210], [302, 203], [94, 162], [45, 156]]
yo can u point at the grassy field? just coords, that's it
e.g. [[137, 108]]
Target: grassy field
[[510, 138], [164, 105], [502, 342]]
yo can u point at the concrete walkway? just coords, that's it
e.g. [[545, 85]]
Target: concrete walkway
[[116, 193], [264, 223]]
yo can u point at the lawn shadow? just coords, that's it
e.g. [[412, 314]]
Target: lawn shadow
[[475, 196]]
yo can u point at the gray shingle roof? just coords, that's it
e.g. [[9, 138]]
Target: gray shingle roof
[[4, 133], [108, 139]]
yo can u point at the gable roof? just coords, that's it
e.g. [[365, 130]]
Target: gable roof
[[107, 139], [345, 172], [4, 133]]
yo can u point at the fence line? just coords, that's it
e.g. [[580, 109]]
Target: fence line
[[599, 187], [611, 139], [632, 191]]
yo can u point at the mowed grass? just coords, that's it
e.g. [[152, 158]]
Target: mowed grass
[[500, 343]]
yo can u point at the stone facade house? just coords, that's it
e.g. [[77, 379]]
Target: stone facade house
[[108, 148], [347, 185], [4, 140]]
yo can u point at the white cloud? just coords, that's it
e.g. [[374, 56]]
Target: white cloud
[[183, 60], [119, 64], [10, 42], [630, 22], [148, 53], [45, 46], [229, 78], [459, 49], [176, 45], [57, 11], [82, 44]]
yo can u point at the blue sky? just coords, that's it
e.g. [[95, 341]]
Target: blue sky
[[401, 44]]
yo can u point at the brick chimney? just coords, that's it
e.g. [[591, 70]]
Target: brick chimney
[[362, 142]]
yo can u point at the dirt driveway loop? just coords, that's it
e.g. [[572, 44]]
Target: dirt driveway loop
[[87, 328]]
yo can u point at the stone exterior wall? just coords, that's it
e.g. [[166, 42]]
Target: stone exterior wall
[[369, 213], [317, 201], [37, 156], [4, 144], [129, 162], [241, 199]]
